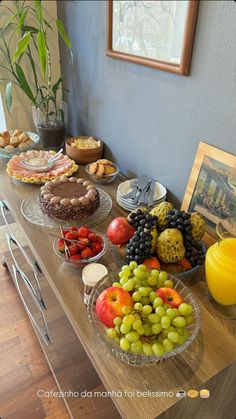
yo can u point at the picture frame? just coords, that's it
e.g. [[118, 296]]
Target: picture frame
[[211, 189], [158, 34]]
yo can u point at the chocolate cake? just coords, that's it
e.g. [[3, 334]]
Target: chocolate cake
[[68, 198]]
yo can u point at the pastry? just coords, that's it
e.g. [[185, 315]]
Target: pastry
[[14, 141], [102, 168], [103, 161], [92, 168], [109, 169], [68, 199], [17, 139], [2, 142]]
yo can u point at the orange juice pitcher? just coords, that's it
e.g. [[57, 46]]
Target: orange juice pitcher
[[221, 264]]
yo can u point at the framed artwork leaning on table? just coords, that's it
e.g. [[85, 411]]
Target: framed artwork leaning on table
[[157, 34], [211, 189]]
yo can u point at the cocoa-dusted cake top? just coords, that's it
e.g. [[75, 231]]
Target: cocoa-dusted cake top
[[69, 191]]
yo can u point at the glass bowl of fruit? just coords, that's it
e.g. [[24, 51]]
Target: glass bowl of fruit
[[143, 316], [80, 246]]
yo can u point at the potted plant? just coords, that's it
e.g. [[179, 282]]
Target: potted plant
[[29, 29]]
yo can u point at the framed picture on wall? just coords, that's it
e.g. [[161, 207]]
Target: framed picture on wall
[[156, 33], [211, 190]]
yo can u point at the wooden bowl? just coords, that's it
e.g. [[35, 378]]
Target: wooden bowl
[[84, 156]]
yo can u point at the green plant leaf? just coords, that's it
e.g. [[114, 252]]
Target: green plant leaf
[[42, 51], [27, 28], [62, 32], [23, 83], [56, 86], [38, 10], [48, 24], [8, 95], [34, 69], [22, 19], [9, 21], [21, 47]]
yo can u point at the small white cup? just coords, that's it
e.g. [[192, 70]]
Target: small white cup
[[91, 274]]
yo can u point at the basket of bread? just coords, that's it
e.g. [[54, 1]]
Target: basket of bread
[[14, 142]]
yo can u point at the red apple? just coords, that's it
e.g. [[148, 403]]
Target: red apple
[[110, 302], [170, 296], [120, 231]]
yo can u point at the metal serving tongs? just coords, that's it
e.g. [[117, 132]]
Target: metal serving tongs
[[137, 188], [67, 250], [132, 193], [142, 183]]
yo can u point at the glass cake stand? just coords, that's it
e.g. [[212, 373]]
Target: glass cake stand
[[31, 211]]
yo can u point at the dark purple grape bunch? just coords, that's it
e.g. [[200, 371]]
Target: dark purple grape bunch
[[142, 219], [139, 246], [195, 252], [180, 220]]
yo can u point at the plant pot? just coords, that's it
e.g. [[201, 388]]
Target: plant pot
[[51, 125]]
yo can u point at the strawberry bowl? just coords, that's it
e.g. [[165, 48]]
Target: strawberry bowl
[[80, 246]]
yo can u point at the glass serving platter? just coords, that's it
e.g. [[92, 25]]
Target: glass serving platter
[[30, 209], [137, 359]]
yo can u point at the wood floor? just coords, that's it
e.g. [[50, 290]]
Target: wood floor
[[23, 368]]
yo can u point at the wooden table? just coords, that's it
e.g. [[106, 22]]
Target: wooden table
[[208, 362]]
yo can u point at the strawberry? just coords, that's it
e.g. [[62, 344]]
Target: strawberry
[[92, 237], [86, 253], [81, 246], [75, 257], [73, 249], [74, 231], [60, 245], [99, 239], [73, 228], [97, 247], [84, 241], [69, 236], [83, 232]]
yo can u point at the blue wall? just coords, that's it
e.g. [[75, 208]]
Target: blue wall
[[152, 121]]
